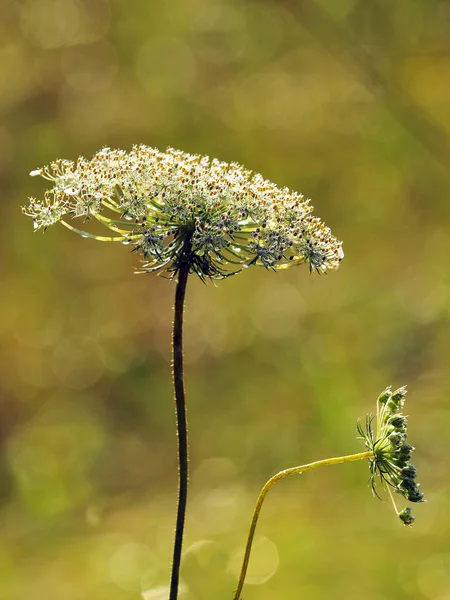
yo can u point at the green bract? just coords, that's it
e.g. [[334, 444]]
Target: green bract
[[392, 454], [175, 207]]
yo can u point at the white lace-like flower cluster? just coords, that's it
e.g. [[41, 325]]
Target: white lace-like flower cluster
[[176, 207]]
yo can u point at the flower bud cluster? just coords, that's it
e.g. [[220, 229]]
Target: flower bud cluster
[[391, 462], [176, 207]]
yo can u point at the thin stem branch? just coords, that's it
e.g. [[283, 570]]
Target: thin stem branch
[[281, 475], [393, 501], [182, 434]]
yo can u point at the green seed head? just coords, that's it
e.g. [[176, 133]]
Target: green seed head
[[397, 399], [406, 516], [385, 396], [399, 422], [390, 465]]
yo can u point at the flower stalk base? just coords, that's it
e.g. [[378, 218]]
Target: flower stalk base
[[182, 436]]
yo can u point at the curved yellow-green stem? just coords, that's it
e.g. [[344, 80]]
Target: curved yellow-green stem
[[281, 475]]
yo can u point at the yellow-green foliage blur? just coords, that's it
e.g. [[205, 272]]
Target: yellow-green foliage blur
[[346, 101]]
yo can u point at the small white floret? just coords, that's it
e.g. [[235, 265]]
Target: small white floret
[[71, 191]]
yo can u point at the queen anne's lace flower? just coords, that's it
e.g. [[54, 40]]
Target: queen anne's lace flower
[[175, 207], [391, 451]]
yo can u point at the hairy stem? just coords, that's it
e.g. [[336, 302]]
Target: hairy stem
[[281, 475], [182, 437]]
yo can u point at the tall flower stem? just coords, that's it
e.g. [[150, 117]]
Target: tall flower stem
[[281, 475], [182, 433]]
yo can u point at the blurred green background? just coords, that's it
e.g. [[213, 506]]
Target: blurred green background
[[346, 101]]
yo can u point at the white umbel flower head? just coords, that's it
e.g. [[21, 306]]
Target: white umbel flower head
[[177, 208]]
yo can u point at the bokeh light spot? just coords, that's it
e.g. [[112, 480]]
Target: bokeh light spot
[[50, 458], [264, 561], [89, 68], [133, 567], [214, 510], [57, 23], [434, 577], [165, 67], [76, 362], [221, 33]]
